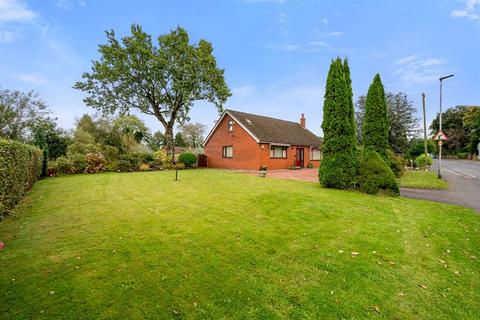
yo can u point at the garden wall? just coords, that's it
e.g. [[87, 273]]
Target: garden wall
[[20, 167]]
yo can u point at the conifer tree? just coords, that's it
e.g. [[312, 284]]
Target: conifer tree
[[375, 123], [338, 166], [346, 70]]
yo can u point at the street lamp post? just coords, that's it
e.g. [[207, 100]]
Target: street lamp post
[[440, 127]]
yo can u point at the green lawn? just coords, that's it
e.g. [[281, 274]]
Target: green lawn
[[422, 180], [224, 245]]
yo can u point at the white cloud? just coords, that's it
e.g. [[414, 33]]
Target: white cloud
[[310, 47], [324, 21], [16, 18], [329, 34], [419, 69], [282, 18], [7, 36], [469, 10], [69, 4], [15, 11], [29, 78]]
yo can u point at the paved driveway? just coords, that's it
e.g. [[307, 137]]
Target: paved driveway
[[463, 177], [304, 174]]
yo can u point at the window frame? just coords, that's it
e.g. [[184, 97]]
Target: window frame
[[224, 152], [319, 154], [284, 152]]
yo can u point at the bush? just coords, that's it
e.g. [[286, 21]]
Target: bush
[[125, 165], [94, 162], [188, 159], [161, 160], [78, 163], [20, 167], [64, 165], [110, 153], [397, 163], [144, 167], [112, 166], [423, 161], [375, 175], [462, 155], [180, 166]]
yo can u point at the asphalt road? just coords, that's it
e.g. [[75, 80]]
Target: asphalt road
[[463, 177]]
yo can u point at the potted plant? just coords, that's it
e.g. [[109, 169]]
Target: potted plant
[[263, 171]]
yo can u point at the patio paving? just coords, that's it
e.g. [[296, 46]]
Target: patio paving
[[304, 174]]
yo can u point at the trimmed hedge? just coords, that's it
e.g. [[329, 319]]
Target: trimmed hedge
[[188, 159], [20, 167], [374, 175]]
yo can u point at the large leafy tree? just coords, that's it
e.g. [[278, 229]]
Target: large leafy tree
[[19, 113], [471, 119], [161, 80], [338, 166], [48, 136], [402, 120], [375, 123], [193, 134], [455, 129]]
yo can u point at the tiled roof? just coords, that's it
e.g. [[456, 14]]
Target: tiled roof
[[271, 130]]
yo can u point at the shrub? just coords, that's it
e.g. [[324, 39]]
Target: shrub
[[110, 153], [94, 162], [144, 167], [188, 159], [397, 163], [112, 166], [161, 160], [64, 165], [180, 166], [462, 155], [375, 175], [423, 161], [310, 165], [145, 157], [125, 165], [20, 167], [78, 163]]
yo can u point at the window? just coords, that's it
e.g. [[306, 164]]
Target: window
[[277, 152], [315, 154], [227, 152], [230, 125]]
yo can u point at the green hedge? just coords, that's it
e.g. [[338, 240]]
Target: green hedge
[[20, 167]]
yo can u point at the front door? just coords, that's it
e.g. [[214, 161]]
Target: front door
[[299, 158]]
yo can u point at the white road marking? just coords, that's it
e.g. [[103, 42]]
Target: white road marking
[[464, 173]]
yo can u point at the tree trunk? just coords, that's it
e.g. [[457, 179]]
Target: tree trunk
[[170, 142]]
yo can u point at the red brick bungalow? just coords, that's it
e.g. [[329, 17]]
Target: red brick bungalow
[[247, 141]]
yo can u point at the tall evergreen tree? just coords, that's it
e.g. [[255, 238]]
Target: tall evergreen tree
[[338, 166], [348, 79], [375, 123]]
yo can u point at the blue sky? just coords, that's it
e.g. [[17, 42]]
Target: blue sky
[[276, 53]]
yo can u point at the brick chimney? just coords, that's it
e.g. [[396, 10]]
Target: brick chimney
[[303, 121]]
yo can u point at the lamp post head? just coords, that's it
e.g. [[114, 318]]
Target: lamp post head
[[446, 77]]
